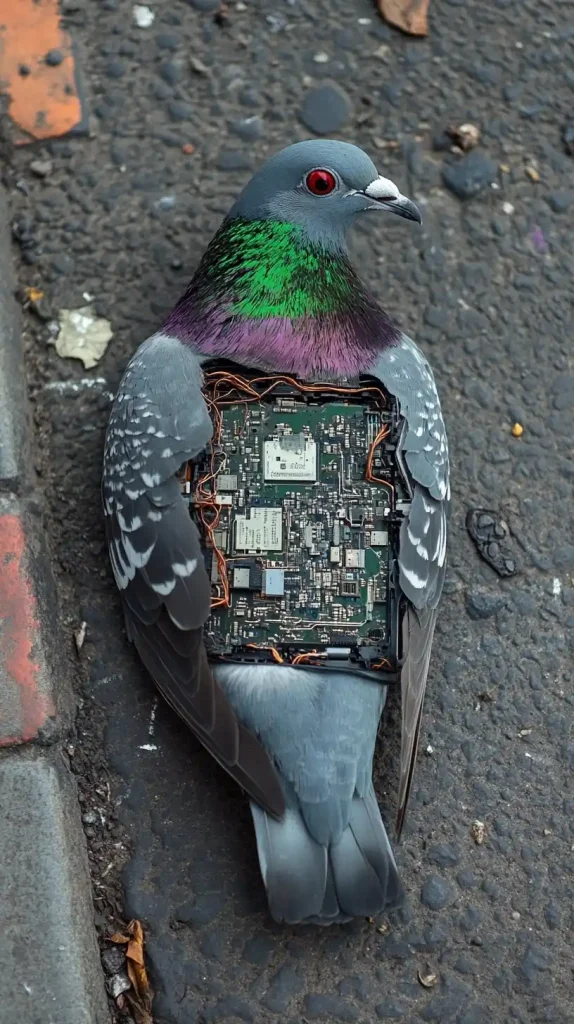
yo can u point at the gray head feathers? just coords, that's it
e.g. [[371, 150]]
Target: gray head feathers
[[280, 190]]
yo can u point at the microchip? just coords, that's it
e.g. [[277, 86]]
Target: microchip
[[356, 514], [227, 482], [291, 457], [274, 582], [355, 558], [350, 588], [335, 554], [379, 538], [241, 578], [246, 576], [260, 529]]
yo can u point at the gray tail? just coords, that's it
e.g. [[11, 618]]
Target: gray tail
[[310, 883]]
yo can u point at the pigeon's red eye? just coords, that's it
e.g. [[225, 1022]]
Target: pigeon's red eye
[[320, 183]]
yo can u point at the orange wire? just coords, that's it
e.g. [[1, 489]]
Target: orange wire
[[274, 652], [299, 658]]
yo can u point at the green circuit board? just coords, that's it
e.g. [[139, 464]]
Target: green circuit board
[[299, 543]]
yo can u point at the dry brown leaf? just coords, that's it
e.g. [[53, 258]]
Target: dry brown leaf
[[408, 15], [141, 998]]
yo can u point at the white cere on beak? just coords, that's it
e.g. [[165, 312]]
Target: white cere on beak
[[382, 188]]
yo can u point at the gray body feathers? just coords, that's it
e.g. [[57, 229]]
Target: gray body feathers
[[328, 859]]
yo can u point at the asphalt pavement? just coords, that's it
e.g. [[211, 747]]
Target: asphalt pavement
[[179, 112]]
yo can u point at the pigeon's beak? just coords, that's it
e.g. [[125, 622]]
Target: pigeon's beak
[[386, 196], [402, 206]]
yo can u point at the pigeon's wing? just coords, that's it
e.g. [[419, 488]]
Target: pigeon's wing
[[159, 421], [406, 374]]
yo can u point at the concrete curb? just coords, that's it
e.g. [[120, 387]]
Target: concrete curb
[[13, 406], [48, 951]]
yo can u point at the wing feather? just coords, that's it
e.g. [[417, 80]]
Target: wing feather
[[406, 374], [159, 421]]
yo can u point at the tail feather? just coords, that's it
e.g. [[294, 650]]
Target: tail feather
[[306, 881], [293, 865]]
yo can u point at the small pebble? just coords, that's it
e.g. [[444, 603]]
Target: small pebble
[[113, 959], [445, 854], [53, 58], [198, 66], [561, 201], [276, 23], [248, 128], [144, 17], [41, 168], [117, 984], [437, 893], [470, 175], [325, 109], [179, 110], [481, 605]]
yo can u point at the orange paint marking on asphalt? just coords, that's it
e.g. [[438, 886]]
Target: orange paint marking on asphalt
[[18, 629], [44, 101]]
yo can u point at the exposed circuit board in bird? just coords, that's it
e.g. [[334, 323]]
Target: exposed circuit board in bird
[[299, 500]]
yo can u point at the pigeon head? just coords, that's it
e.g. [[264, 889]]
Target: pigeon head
[[276, 288], [323, 185]]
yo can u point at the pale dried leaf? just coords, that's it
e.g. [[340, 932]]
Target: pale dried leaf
[[427, 977], [408, 15], [82, 335]]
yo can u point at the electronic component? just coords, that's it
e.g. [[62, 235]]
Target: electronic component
[[296, 504], [227, 482], [260, 529], [290, 457], [355, 558], [273, 582], [350, 588], [246, 575], [240, 578], [379, 538]]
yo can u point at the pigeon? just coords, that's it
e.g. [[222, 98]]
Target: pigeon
[[276, 291]]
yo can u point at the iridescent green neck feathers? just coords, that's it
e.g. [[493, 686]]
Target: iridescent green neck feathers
[[264, 291]]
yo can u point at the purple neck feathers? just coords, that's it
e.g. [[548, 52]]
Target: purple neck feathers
[[265, 297]]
